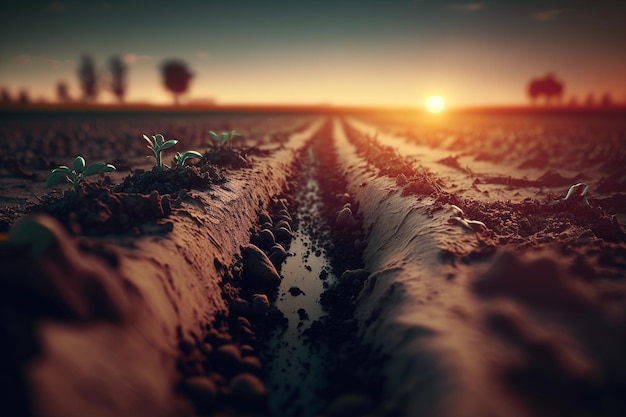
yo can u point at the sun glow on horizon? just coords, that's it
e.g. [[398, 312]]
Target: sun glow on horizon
[[435, 104]]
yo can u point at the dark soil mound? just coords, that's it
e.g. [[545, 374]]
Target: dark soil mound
[[96, 210], [233, 158], [171, 181]]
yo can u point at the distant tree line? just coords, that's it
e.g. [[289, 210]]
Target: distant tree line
[[549, 90], [91, 81], [22, 97], [176, 79]]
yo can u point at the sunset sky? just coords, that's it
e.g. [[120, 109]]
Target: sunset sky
[[367, 52]]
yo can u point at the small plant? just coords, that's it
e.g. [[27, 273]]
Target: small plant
[[458, 217], [157, 145], [76, 173], [578, 191], [180, 158], [225, 139]]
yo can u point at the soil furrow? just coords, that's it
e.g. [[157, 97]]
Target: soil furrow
[[439, 302], [162, 290], [437, 268]]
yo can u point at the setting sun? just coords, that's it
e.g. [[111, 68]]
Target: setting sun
[[435, 104]]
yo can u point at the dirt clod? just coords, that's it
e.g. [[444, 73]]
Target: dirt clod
[[202, 390], [248, 391], [258, 271]]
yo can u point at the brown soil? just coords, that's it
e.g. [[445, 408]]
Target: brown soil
[[467, 285]]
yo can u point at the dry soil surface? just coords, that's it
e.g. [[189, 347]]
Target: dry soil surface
[[467, 284]]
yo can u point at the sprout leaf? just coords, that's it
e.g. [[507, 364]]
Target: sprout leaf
[[56, 178], [98, 167], [192, 154], [168, 144], [150, 144], [158, 139], [78, 164], [64, 169]]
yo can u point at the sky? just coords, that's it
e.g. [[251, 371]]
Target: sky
[[367, 52]]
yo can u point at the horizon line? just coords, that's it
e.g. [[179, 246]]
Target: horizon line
[[291, 107]]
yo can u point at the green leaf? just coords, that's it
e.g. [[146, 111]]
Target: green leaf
[[98, 167], [168, 144], [56, 178], [214, 136], [192, 154], [78, 164], [158, 139], [31, 233], [150, 144], [181, 158], [225, 137], [64, 169]]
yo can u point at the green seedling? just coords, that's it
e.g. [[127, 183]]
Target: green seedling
[[578, 191], [458, 217], [157, 145], [76, 173], [225, 139], [180, 158]]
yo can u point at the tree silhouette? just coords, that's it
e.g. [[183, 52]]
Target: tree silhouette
[[118, 77], [63, 94], [548, 87], [5, 97], [606, 100], [176, 78], [88, 79], [23, 98]]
